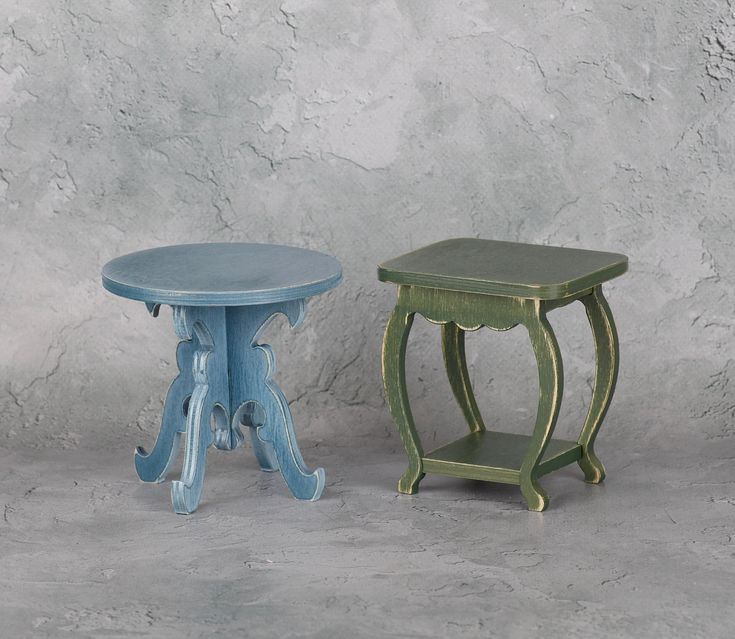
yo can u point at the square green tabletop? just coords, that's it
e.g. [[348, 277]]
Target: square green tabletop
[[503, 268]]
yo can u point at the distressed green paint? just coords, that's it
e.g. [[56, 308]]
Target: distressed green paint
[[458, 375], [608, 360], [503, 268], [394, 378], [493, 456], [551, 388], [468, 310]]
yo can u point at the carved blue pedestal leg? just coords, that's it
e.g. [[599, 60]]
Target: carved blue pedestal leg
[[205, 326], [223, 371], [153, 466], [197, 397], [260, 400]]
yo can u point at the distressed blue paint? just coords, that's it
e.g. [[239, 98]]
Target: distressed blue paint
[[225, 378], [221, 274], [252, 366]]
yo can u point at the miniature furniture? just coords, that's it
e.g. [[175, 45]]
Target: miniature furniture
[[222, 297], [464, 284]]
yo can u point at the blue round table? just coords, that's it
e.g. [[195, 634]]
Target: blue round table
[[222, 297]]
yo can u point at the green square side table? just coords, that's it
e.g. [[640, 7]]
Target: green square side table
[[222, 297], [465, 284]]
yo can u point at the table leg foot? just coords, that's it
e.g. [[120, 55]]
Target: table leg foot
[[592, 467], [534, 494], [408, 484]]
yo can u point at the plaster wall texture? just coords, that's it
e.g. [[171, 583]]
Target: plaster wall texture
[[366, 129]]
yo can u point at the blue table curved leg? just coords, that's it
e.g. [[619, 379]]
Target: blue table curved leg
[[262, 405], [186, 493], [252, 415], [278, 431], [264, 453], [153, 466]]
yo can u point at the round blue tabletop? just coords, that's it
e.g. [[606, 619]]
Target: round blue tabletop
[[235, 274]]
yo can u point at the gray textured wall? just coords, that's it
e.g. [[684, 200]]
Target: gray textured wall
[[365, 129]]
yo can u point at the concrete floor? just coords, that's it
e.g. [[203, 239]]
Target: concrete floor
[[88, 551]]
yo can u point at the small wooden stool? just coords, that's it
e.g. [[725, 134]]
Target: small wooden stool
[[464, 284], [223, 296]]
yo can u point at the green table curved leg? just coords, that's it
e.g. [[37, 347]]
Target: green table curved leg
[[394, 379], [455, 362], [551, 386], [608, 358]]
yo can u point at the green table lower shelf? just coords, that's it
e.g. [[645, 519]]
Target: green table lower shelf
[[492, 456]]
